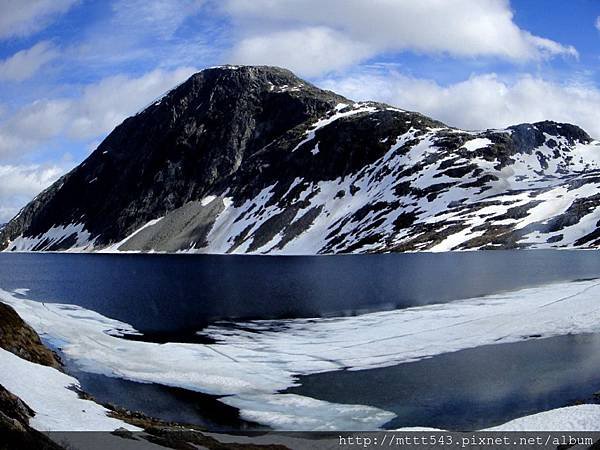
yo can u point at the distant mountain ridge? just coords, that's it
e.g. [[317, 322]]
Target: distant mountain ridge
[[243, 159]]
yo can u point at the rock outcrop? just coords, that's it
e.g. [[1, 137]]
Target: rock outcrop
[[19, 338]]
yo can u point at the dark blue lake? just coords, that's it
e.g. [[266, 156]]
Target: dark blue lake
[[171, 293], [472, 389]]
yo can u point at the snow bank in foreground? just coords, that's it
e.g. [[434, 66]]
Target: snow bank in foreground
[[571, 418], [46, 391], [255, 361]]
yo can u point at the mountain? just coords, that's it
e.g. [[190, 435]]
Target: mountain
[[242, 159]]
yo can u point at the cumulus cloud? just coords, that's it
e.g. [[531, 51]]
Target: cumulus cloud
[[104, 105], [343, 31], [19, 183], [310, 51], [98, 109], [482, 101], [25, 17], [24, 64]]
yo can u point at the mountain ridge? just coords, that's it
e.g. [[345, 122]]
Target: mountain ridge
[[252, 159]]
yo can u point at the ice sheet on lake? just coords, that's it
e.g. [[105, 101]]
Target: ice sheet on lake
[[297, 412], [253, 361], [93, 342], [21, 291], [388, 338]]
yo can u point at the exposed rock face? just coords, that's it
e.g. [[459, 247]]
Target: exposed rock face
[[175, 151], [255, 160], [19, 338], [15, 432]]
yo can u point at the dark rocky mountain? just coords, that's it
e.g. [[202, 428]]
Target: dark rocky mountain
[[255, 160]]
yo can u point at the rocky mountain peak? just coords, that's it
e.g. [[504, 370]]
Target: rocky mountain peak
[[255, 160], [258, 78], [178, 147], [529, 136]]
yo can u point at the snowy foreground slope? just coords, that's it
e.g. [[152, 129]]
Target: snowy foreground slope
[[50, 394], [252, 363], [255, 160]]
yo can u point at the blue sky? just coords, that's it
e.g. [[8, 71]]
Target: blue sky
[[71, 70]]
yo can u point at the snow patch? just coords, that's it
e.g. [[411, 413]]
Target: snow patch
[[49, 393], [476, 144], [53, 237], [207, 200], [311, 132], [571, 418]]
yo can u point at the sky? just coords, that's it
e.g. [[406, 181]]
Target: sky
[[71, 70]]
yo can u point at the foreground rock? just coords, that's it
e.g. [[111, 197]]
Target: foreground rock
[[256, 160], [19, 338], [15, 432]]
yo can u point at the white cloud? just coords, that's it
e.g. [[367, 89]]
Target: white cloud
[[19, 183], [310, 51], [151, 33], [157, 17], [597, 23], [96, 112], [482, 101], [344, 31], [107, 103], [24, 64], [25, 17]]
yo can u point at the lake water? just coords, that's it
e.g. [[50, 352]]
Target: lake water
[[472, 389], [171, 297], [172, 293]]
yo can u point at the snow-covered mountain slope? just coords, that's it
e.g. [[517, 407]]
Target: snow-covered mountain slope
[[255, 160]]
